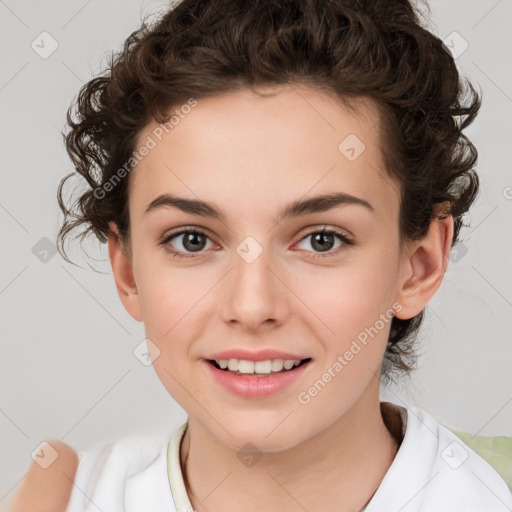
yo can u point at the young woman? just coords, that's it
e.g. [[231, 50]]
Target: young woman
[[280, 184]]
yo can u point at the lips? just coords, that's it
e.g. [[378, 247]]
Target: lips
[[253, 386]]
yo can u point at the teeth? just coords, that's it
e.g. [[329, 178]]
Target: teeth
[[260, 367]]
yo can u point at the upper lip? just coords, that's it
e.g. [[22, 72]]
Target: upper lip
[[260, 355]]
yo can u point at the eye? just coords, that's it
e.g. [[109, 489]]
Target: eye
[[323, 240], [194, 241]]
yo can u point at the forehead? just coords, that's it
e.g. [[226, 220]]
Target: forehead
[[253, 151]]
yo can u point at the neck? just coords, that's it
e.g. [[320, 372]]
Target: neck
[[344, 464]]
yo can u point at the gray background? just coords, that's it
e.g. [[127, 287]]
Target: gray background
[[68, 370]]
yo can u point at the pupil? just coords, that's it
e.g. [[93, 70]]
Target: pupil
[[192, 237], [320, 239]]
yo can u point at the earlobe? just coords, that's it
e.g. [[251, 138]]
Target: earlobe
[[123, 274], [424, 268]]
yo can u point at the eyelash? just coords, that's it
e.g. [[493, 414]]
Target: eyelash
[[344, 238]]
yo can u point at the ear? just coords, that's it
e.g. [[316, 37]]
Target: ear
[[423, 267], [123, 274]]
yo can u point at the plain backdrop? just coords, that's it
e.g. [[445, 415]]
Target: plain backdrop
[[67, 364]]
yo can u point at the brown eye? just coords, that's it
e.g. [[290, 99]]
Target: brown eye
[[323, 241], [192, 241]]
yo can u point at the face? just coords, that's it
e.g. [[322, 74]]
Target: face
[[250, 280]]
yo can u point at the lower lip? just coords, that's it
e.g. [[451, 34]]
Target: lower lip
[[256, 387]]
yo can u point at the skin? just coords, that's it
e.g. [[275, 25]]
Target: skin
[[48, 489], [251, 155]]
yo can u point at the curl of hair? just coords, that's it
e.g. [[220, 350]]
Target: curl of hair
[[370, 49]]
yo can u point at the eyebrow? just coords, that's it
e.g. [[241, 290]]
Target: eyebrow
[[298, 208]]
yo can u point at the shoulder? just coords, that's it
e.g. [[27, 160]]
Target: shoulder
[[108, 472], [435, 471], [456, 475], [48, 484]]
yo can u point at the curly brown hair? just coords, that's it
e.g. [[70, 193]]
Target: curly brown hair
[[373, 49]]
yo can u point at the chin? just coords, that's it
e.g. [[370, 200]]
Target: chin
[[266, 436]]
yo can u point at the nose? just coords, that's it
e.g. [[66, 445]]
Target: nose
[[254, 292]]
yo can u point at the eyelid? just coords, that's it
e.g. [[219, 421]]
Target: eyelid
[[318, 228], [346, 239], [305, 231], [187, 228], [183, 230]]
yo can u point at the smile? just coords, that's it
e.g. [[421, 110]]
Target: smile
[[245, 366], [256, 379]]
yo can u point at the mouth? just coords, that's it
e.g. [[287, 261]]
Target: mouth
[[249, 368], [251, 379]]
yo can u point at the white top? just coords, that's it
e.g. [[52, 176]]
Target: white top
[[433, 471]]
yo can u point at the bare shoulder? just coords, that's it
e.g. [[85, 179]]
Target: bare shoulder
[[48, 483]]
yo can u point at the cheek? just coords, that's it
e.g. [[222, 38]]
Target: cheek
[[169, 303], [350, 310], [164, 292], [339, 300], [174, 304], [353, 295]]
